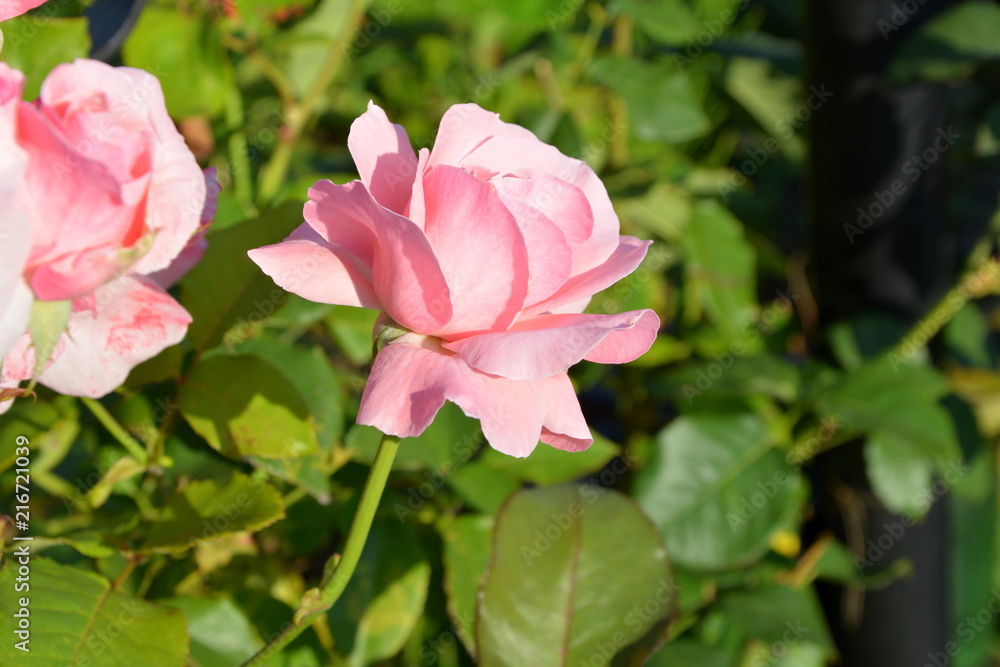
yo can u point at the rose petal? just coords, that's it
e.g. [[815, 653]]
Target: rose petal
[[406, 275], [134, 321], [480, 248], [564, 427], [626, 258], [384, 157], [409, 384], [545, 345], [465, 127], [11, 8], [135, 110], [509, 153], [305, 264]]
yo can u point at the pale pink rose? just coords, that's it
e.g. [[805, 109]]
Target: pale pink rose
[[485, 251], [117, 209], [110, 185], [11, 8], [15, 227]]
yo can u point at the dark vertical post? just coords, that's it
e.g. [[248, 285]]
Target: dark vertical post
[[878, 211]]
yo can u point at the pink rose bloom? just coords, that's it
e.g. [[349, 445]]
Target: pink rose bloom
[[15, 227], [11, 8], [117, 205], [482, 255]]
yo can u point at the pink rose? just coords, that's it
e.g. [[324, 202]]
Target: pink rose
[[482, 254], [11, 8], [117, 206], [15, 227], [110, 183]]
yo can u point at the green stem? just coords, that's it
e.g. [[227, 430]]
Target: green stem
[[275, 171], [339, 568], [116, 429], [968, 287]]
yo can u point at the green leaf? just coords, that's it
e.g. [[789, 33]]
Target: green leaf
[[466, 557], [771, 98], [47, 324], [204, 510], [352, 329], [76, 618], [546, 599], [225, 290], [661, 102], [122, 469], [35, 47], [244, 406], [384, 600], [184, 51], [668, 21], [310, 371], [890, 396], [778, 614], [720, 268], [718, 490], [899, 474], [731, 376], [219, 631]]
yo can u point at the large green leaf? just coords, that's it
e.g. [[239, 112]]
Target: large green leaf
[[244, 406], [35, 47], [466, 557], [185, 53], [718, 489], [226, 290], [384, 600], [76, 618], [205, 510], [547, 600]]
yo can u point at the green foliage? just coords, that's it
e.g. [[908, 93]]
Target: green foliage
[[545, 598], [718, 489], [77, 617]]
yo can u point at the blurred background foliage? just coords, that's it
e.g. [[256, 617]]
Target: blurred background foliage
[[698, 540]]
